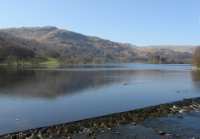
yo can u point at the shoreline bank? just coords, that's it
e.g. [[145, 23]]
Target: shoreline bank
[[93, 126]]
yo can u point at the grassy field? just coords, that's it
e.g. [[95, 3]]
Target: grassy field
[[51, 62], [48, 62]]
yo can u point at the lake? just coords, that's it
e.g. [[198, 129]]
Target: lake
[[37, 97]]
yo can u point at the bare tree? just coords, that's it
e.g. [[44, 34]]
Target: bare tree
[[196, 57]]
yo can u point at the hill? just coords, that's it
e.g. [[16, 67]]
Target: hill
[[73, 48]]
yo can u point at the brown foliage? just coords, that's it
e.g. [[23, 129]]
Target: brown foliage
[[196, 57]]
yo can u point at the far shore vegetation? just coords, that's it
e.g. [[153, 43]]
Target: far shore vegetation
[[17, 56], [14, 61], [54, 61]]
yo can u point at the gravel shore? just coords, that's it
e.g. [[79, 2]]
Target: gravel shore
[[172, 120]]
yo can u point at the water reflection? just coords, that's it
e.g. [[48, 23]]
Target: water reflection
[[196, 75], [196, 78], [41, 97], [49, 83], [53, 83]]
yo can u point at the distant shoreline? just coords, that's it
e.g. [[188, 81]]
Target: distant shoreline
[[60, 64]]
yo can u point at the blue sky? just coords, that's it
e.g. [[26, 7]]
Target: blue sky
[[141, 22]]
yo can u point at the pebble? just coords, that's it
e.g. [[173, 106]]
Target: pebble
[[181, 111], [86, 130], [162, 133], [105, 124]]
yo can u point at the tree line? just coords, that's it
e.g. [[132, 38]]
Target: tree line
[[16, 55]]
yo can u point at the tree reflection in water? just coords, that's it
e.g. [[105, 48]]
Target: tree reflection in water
[[196, 78], [50, 83]]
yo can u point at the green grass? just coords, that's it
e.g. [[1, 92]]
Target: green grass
[[47, 62], [50, 62]]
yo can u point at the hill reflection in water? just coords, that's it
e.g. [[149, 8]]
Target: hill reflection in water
[[50, 83]]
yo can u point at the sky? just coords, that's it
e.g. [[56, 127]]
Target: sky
[[140, 22]]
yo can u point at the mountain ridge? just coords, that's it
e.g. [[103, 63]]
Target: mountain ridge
[[75, 48]]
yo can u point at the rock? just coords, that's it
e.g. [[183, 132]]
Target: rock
[[162, 133], [86, 130], [133, 123], [181, 111], [40, 136], [174, 107]]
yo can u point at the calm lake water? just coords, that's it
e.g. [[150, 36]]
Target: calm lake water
[[39, 97]]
